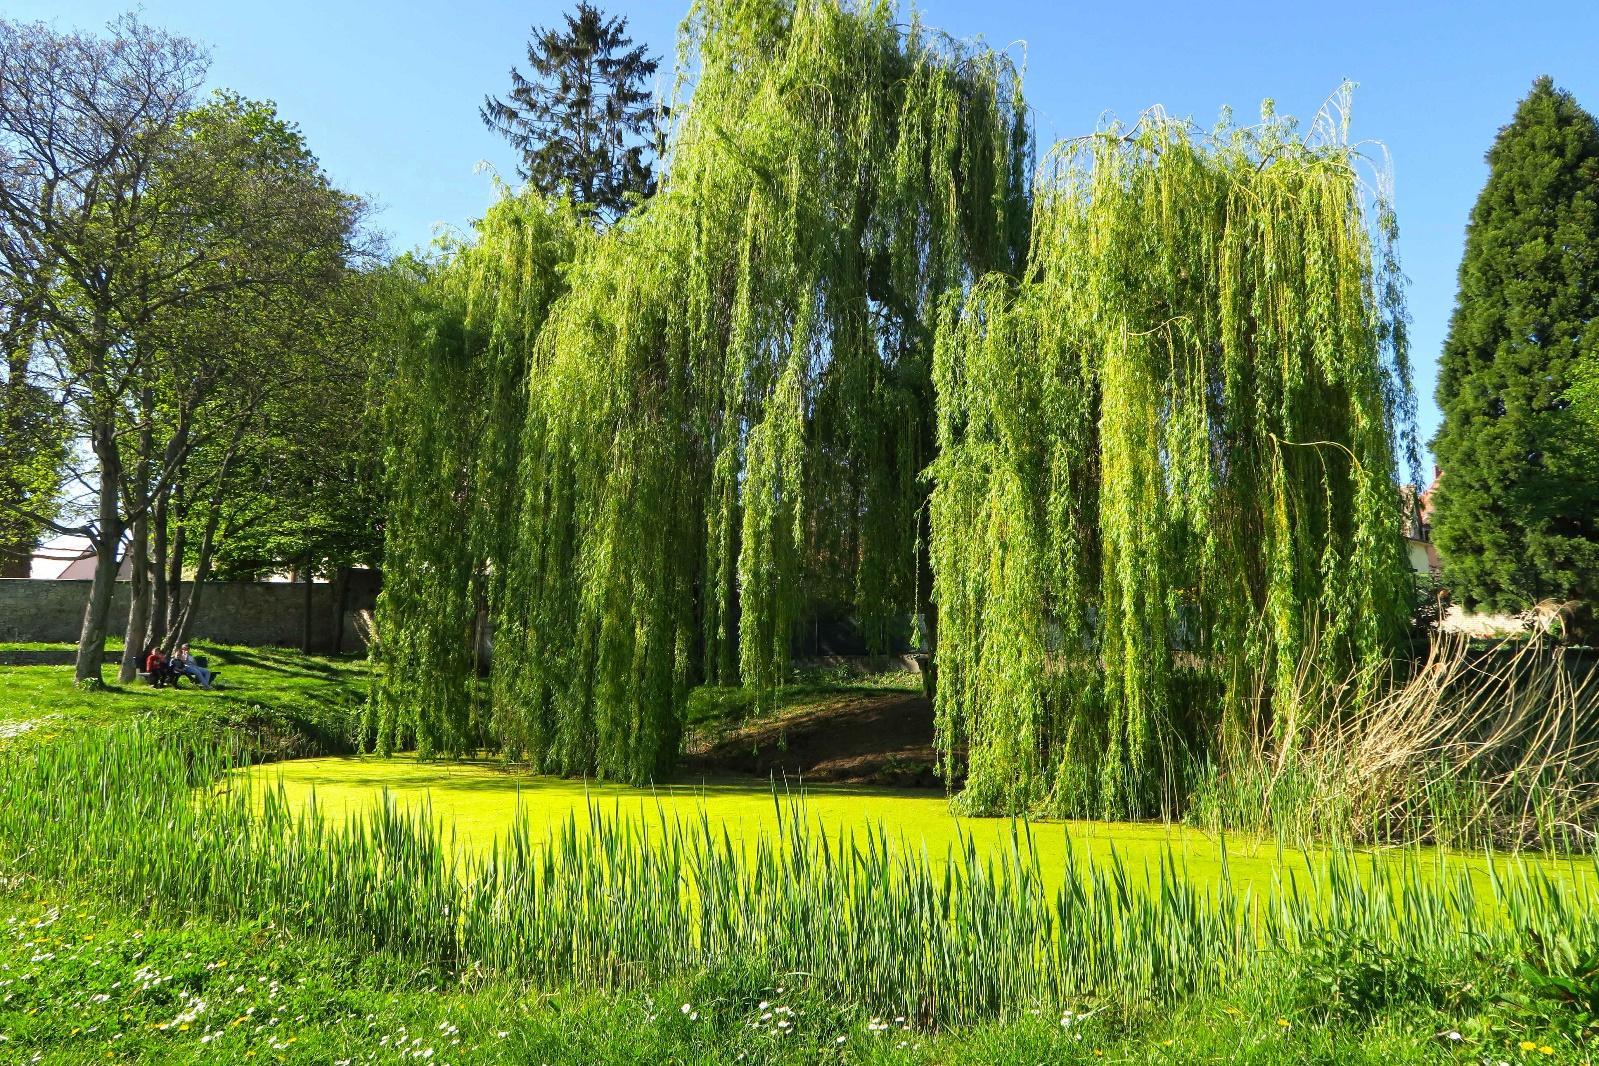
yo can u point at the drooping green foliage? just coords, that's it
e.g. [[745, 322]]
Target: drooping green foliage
[[1166, 475], [1517, 506], [729, 406], [454, 384]]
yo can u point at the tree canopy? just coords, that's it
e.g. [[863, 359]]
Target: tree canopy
[[1517, 505], [1165, 483], [730, 390], [164, 245], [1134, 429]]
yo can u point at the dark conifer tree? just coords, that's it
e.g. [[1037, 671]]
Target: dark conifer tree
[[584, 118], [1517, 508]]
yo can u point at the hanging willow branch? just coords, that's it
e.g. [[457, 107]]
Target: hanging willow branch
[[722, 417], [455, 393], [1131, 560]]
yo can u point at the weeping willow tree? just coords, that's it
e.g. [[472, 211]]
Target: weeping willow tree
[[1165, 486], [720, 406], [455, 394]]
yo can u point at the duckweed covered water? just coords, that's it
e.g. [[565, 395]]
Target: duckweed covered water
[[478, 802]]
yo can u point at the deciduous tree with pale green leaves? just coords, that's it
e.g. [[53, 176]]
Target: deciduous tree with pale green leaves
[[637, 449], [1166, 479], [1517, 508]]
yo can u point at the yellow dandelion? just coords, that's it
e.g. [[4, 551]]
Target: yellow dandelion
[[1546, 1050], [1283, 1022], [1528, 1045]]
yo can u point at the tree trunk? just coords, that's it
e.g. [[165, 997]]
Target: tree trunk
[[133, 642], [139, 548], [202, 569], [96, 615], [305, 635], [342, 602], [164, 588], [16, 552], [156, 631], [180, 542]]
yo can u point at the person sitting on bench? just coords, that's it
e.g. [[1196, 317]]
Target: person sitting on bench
[[188, 666], [158, 668]]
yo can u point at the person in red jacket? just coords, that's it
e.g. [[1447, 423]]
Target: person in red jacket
[[155, 664]]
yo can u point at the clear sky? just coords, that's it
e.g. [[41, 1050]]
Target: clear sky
[[387, 90]]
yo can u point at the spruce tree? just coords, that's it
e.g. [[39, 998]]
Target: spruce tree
[[1517, 508], [584, 122]]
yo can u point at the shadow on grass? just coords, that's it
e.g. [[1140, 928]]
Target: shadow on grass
[[286, 662]]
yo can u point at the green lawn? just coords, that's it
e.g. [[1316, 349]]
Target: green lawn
[[112, 644], [293, 704], [87, 981]]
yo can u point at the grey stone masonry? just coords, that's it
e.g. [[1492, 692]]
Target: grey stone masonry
[[230, 612]]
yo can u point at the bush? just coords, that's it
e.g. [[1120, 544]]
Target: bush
[[1342, 974]]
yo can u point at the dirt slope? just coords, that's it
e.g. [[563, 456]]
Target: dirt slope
[[878, 738]]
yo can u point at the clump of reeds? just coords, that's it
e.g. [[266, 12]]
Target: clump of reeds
[[1469, 747]]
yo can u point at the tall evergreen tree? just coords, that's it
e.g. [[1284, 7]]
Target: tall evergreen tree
[[1517, 508], [584, 120]]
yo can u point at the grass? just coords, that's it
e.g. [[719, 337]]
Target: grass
[[713, 708], [112, 644], [89, 980], [615, 902], [146, 927], [1467, 747], [281, 702]]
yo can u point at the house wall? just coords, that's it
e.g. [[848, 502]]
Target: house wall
[[230, 612]]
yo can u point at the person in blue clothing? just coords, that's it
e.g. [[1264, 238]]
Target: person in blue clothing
[[189, 666]]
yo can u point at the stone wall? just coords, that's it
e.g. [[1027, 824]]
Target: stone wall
[[230, 612]]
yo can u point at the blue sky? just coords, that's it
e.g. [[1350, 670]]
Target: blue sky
[[387, 92]]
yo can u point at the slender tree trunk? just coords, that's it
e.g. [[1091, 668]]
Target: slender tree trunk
[[133, 642], [16, 552], [139, 549], [164, 589], [180, 543], [342, 603], [157, 629], [202, 570], [96, 615], [305, 635]]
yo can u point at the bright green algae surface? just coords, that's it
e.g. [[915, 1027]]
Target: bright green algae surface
[[477, 801]]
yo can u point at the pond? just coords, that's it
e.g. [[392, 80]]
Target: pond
[[477, 801]]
